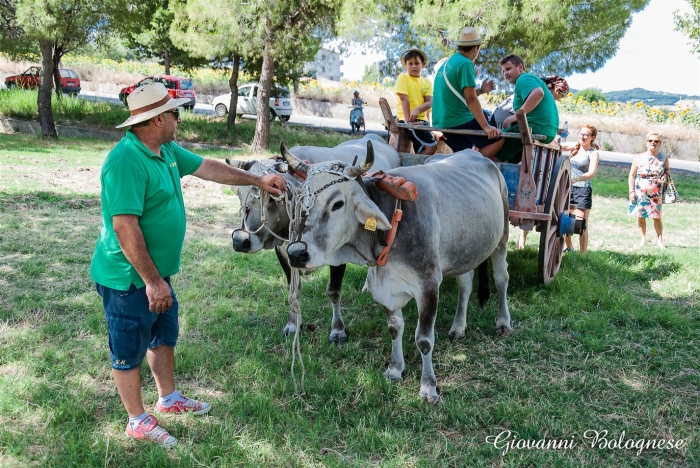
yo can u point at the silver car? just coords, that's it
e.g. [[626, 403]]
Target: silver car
[[280, 102]]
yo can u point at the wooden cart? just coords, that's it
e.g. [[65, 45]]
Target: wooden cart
[[538, 187]]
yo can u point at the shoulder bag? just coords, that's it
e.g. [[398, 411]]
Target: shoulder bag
[[669, 194]]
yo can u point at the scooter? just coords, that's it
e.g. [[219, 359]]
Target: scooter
[[357, 118]]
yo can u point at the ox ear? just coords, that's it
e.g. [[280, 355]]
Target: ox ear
[[365, 209]]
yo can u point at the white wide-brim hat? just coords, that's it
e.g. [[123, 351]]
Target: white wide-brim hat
[[148, 101], [469, 37]]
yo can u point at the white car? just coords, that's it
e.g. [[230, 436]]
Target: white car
[[280, 102]]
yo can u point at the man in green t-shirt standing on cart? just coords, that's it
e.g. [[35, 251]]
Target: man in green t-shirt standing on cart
[[139, 248]]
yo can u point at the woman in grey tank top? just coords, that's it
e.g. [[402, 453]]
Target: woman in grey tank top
[[584, 165]]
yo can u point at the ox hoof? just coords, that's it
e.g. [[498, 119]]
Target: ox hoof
[[503, 329], [338, 336], [393, 375], [430, 394], [290, 329], [456, 334]]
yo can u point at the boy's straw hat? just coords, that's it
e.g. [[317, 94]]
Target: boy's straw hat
[[423, 56], [469, 37], [148, 101]]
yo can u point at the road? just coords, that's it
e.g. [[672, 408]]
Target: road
[[297, 119], [606, 157]]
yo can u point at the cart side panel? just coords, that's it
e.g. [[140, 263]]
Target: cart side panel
[[511, 173]]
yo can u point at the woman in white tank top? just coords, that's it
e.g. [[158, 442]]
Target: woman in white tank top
[[584, 165]]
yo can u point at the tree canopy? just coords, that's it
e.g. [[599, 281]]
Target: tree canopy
[[689, 24], [154, 40], [553, 36]]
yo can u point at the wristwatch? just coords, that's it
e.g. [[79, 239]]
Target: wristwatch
[[576, 178]]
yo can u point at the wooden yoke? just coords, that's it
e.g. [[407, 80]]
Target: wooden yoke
[[404, 142], [525, 200], [388, 116]]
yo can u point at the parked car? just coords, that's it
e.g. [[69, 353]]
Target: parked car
[[177, 86], [30, 79], [280, 102]]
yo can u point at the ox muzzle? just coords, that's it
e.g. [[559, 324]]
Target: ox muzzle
[[241, 241], [298, 255]]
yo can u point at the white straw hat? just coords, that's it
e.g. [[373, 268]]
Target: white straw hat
[[469, 37], [148, 101]]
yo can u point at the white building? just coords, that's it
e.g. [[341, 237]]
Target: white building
[[326, 64]]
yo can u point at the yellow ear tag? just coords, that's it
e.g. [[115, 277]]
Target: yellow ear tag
[[371, 223]]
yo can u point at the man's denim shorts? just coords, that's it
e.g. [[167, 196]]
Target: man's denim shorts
[[133, 329]]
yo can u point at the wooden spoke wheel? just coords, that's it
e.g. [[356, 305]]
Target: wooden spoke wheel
[[556, 204]]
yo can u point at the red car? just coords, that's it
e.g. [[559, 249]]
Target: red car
[[70, 81], [177, 86]]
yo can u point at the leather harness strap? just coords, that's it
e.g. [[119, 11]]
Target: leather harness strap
[[396, 186], [384, 256]]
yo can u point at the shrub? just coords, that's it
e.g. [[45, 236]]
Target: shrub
[[590, 95]]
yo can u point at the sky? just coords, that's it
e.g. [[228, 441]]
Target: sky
[[651, 55]]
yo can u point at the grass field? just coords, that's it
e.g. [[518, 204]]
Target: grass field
[[613, 344]]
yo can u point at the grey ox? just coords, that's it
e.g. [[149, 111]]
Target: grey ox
[[252, 236], [459, 219]]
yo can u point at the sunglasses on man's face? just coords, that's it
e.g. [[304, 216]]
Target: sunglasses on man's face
[[175, 112], [656, 142]]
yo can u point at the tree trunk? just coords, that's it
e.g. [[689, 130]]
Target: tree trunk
[[48, 127], [261, 140], [233, 86], [166, 61], [56, 62]]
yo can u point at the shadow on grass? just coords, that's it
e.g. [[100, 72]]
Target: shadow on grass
[[583, 326], [46, 200]]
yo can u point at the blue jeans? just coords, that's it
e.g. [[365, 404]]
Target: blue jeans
[[133, 329]]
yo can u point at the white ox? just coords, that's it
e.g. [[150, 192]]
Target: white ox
[[459, 219], [252, 236]]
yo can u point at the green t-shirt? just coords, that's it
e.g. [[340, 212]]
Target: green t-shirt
[[449, 110], [137, 182], [544, 118]]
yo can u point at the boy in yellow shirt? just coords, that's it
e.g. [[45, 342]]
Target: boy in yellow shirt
[[415, 95]]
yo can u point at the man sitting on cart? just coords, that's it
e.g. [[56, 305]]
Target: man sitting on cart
[[531, 95]]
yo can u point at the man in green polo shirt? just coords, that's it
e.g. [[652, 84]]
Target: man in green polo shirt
[[531, 95], [139, 248]]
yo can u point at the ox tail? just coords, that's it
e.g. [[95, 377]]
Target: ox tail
[[484, 291]]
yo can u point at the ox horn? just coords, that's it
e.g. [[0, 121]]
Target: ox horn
[[294, 162], [235, 163], [365, 166]]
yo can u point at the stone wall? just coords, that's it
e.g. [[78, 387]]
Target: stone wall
[[8, 125], [635, 144], [334, 111]]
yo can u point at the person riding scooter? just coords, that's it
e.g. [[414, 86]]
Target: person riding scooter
[[357, 115]]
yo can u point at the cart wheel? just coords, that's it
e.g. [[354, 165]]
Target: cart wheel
[[556, 204]]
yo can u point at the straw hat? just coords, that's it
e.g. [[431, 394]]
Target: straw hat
[[469, 37], [148, 101], [423, 55]]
